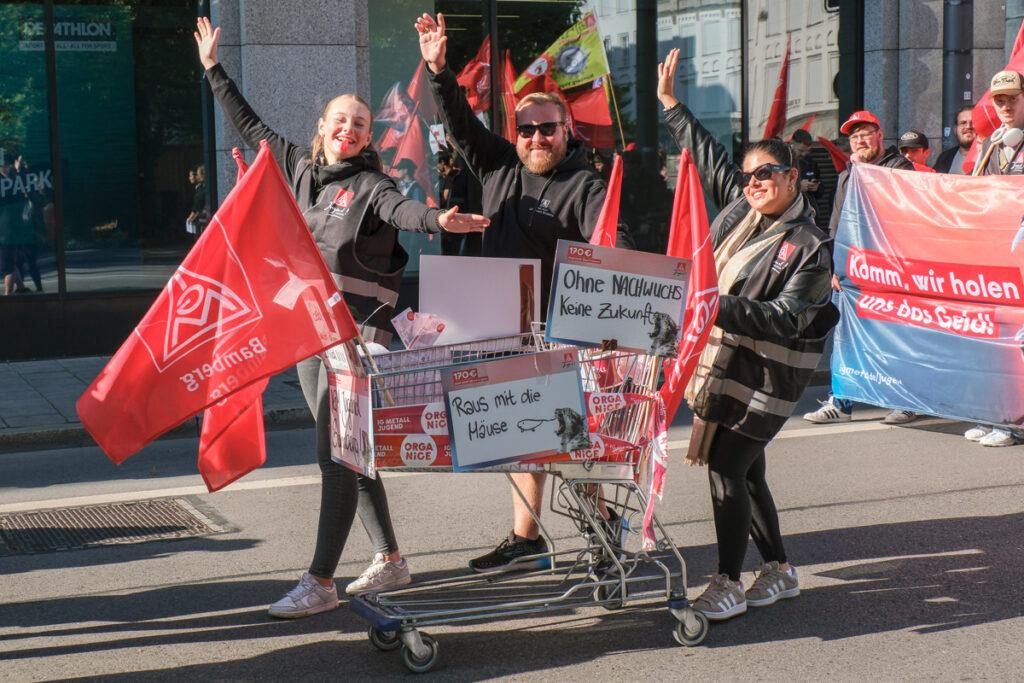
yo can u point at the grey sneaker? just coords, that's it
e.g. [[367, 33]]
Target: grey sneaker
[[771, 585], [381, 576], [999, 437], [309, 597], [899, 417], [723, 599]]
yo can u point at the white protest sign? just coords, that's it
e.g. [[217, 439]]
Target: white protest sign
[[601, 293], [351, 412], [515, 409]]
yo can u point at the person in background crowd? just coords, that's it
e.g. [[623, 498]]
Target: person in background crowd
[[406, 180], [1007, 91], [353, 211], [866, 147], [914, 148], [536, 191], [810, 176], [952, 159], [774, 268], [458, 187]]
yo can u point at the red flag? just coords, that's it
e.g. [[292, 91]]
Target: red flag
[[806, 125], [475, 77], [252, 298], [984, 115], [777, 115], [593, 119], [508, 97], [395, 112], [419, 92], [608, 220], [840, 159], [413, 147], [689, 238]]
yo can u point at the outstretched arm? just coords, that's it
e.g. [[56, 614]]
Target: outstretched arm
[[235, 107], [719, 176], [483, 150]]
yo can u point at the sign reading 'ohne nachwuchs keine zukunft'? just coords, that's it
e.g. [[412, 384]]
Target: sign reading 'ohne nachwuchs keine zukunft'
[[601, 293]]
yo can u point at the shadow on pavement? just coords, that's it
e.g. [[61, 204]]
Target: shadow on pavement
[[926, 576]]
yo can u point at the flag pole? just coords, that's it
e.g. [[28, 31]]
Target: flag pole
[[615, 103]]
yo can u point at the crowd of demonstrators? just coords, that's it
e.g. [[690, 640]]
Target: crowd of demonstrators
[[952, 160], [353, 210], [866, 147], [913, 145], [1007, 91], [536, 191], [774, 273]]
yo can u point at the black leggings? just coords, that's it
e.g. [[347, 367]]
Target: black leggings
[[342, 491], [742, 502]]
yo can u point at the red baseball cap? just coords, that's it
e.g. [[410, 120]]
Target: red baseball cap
[[857, 118]]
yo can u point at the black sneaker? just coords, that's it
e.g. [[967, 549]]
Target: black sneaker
[[506, 556]]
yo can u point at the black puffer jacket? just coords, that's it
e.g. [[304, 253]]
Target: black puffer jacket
[[777, 313], [352, 209]]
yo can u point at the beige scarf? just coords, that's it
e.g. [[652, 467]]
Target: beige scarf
[[731, 257]]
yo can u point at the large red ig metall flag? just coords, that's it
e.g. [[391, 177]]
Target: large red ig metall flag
[[252, 298]]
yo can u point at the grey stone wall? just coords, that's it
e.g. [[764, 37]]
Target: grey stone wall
[[903, 66], [289, 59]]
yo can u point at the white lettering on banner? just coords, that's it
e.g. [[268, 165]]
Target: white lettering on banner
[[222, 362], [860, 268]]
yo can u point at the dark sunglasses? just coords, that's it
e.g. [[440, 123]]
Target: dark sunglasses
[[526, 130], [763, 172]]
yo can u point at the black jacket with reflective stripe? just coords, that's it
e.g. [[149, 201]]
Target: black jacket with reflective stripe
[[779, 310], [352, 209]]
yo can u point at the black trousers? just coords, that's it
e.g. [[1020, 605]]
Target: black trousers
[[742, 502]]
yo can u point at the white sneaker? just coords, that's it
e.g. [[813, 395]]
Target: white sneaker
[[828, 413], [309, 597], [899, 417], [381, 576], [723, 599], [998, 437], [976, 433]]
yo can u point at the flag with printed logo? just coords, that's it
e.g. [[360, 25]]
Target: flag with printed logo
[[252, 298], [577, 57], [475, 77]]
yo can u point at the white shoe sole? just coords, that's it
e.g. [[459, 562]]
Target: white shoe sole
[[975, 439], [791, 593], [380, 588], [298, 614], [733, 611], [811, 417]]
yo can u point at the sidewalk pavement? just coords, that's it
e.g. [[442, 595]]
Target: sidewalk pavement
[[37, 403]]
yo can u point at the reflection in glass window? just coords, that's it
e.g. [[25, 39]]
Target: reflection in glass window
[[27, 222]]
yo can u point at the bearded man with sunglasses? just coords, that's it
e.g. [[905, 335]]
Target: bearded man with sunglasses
[[535, 192], [866, 147]]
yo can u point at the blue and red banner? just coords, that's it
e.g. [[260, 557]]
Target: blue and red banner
[[933, 297]]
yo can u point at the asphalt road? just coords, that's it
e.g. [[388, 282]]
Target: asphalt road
[[908, 542]]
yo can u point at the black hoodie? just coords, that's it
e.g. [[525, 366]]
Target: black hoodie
[[529, 213], [890, 158], [352, 209]]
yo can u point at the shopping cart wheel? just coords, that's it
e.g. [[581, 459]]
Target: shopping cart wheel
[[385, 641], [695, 633], [611, 593], [418, 665]]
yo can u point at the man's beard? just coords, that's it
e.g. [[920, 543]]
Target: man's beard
[[549, 160], [867, 156]]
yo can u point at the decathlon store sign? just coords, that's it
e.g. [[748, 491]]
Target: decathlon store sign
[[600, 293], [515, 409]]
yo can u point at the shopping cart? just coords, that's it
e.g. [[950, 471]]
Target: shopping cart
[[608, 564]]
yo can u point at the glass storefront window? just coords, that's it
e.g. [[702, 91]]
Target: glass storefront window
[[27, 221]]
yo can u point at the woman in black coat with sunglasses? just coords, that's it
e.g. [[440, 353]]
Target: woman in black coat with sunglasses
[[774, 270]]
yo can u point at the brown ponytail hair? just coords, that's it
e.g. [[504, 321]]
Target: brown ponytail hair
[[316, 145]]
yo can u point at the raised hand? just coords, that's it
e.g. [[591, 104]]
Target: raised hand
[[206, 39], [453, 221], [433, 41], [667, 79]]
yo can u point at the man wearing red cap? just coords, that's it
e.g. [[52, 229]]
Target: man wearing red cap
[[866, 142]]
